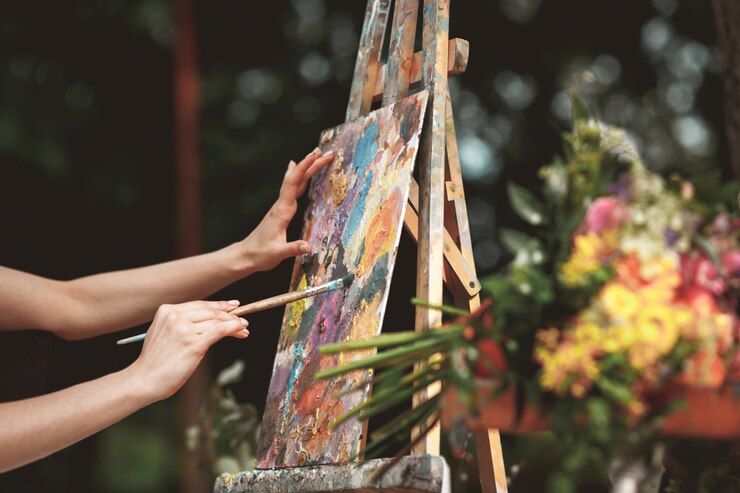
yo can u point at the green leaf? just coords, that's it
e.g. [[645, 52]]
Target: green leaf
[[615, 391], [514, 240], [526, 205]]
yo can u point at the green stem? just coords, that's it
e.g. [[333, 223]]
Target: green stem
[[450, 310], [407, 419], [394, 356]]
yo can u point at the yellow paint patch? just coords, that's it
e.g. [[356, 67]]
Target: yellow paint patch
[[364, 325], [298, 307]]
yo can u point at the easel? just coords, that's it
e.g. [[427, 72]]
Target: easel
[[436, 218]]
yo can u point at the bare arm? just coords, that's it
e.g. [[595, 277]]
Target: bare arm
[[112, 301], [176, 342]]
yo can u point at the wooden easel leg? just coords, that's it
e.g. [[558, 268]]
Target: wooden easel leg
[[490, 461], [488, 442]]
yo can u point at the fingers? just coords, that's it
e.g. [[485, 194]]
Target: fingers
[[298, 175], [213, 331], [296, 248], [317, 166], [202, 314], [182, 308]]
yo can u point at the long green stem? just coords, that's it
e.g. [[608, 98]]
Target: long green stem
[[386, 340], [387, 358], [450, 310], [407, 419], [427, 374]]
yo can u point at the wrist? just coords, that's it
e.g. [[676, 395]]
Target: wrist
[[139, 387], [239, 258]]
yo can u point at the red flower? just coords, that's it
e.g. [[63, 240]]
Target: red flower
[[491, 361]]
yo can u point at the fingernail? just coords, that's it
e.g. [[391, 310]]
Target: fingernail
[[234, 302], [245, 331], [317, 150], [306, 248], [244, 321], [329, 153]]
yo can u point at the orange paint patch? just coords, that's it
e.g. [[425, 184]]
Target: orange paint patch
[[378, 240]]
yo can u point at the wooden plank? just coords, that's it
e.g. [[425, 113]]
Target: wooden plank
[[418, 474], [460, 268], [490, 461], [457, 63], [367, 64], [401, 50], [488, 442], [431, 187]]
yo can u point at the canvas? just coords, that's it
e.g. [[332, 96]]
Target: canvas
[[354, 223]]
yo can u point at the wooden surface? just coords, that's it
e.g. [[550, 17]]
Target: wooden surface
[[429, 267], [490, 456], [400, 51], [708, 413], [367, 64], [418, 474], [457, 63], [462, 270]]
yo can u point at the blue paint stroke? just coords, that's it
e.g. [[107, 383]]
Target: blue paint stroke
[[367, 146], [358, 210], [295, 372]]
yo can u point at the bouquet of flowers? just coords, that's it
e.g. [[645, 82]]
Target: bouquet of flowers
[[622, 281]]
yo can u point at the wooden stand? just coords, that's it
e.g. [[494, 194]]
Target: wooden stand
[[436, 218]]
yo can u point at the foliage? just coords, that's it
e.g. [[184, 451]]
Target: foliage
[[227, 429], [623, 282]]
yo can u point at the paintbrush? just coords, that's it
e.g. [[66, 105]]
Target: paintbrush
[[273, 302]]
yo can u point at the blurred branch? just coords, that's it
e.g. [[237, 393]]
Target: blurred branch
[[187, 155], [727, 17]]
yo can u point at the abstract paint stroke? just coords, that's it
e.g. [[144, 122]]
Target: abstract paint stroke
[[354, 223]]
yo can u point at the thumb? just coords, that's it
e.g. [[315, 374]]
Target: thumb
[[295, 248]]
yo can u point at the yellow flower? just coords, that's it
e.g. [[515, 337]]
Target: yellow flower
[[589, 251], [619, 302], [656, 326]]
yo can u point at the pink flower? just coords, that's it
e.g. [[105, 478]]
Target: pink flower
[[605, 213], [699, 271], [731, 263]]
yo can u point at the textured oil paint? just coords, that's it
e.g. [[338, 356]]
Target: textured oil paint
[[354, 223]]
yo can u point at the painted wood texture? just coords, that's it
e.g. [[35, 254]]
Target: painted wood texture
[[429, 267], [354, 223], [401, 50], [367, 65]]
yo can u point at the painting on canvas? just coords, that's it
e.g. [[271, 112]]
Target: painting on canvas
[[354, 223]]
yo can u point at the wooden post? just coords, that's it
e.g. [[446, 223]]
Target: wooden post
[[187, 151], [429, 265], [491, 466]]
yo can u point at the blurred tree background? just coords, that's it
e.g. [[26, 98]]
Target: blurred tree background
[[87, 172]]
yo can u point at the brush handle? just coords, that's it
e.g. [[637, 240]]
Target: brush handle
[[266, 304], [284, 299]]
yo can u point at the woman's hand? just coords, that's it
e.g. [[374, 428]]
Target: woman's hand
[[178, 339], [268, 244]]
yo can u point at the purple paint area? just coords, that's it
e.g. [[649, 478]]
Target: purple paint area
[[354, 223]]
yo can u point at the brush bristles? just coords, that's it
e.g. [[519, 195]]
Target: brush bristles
[[347, 280]]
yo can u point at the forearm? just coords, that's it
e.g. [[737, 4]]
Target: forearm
[[34, 428], [116, 300]]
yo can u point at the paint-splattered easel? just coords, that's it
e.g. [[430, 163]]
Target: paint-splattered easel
[[436, 218]]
